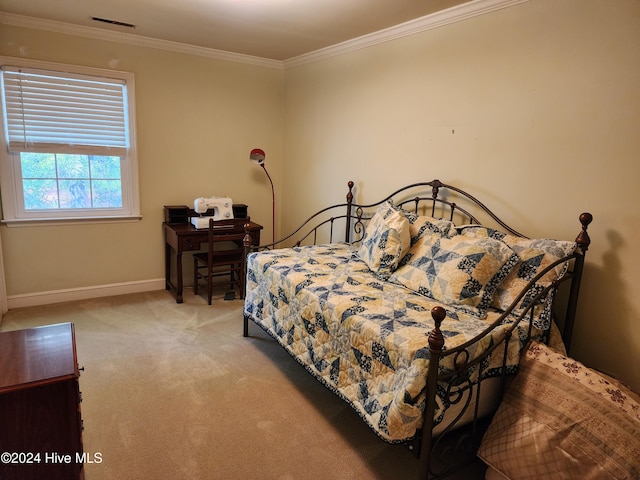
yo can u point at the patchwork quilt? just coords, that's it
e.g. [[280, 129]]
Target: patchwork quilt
[[363, 337]]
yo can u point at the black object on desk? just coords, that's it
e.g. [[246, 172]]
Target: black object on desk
[[183, 214]]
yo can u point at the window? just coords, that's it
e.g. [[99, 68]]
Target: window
[[68, 143]]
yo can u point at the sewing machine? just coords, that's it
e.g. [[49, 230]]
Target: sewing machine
[[222, 209]]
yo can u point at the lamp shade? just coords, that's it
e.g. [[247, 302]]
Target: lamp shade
[[257, 155]]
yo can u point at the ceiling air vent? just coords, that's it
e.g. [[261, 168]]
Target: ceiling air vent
[[113, 22]]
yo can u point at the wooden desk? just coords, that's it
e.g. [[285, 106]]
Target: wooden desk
[[183, 237], [40, 424]]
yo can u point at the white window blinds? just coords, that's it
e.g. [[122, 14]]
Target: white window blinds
[[62, 112]]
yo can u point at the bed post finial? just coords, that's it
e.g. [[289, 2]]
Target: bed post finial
[[436, 345], [247, 241], [583, 237], [583, 242], [347, 231], [435, 187], [436, 339]]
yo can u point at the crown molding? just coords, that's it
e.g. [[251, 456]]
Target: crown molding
[[131, 39], [455, 14], [458, 13]]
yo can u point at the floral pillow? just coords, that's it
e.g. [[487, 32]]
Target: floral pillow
[[461, 271], [560, 419], [385, 240], [535, 255]]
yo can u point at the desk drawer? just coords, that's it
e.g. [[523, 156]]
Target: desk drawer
[[186, 244]]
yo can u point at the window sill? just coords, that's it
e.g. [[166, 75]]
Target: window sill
[[33, 222]]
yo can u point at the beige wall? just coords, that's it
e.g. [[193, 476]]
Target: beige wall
[[197, 120], [534, 108]]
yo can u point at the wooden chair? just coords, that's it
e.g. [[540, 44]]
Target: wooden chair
[[224, 257]]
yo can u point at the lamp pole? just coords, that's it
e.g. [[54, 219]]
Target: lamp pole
[[257, 156]]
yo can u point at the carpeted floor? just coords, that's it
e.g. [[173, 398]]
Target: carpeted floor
[[176, 392]]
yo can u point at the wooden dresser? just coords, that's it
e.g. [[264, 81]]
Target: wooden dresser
[[40, 421]]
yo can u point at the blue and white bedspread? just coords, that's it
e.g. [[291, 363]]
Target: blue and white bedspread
[[364, 338]]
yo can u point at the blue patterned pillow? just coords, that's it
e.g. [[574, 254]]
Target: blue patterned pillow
[[535, 255], [385, 241], [460, 271], [421, 224]]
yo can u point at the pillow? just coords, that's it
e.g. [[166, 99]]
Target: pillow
[[459, 271], [561, 420], [535, 255], [385, 240], [419, 224]]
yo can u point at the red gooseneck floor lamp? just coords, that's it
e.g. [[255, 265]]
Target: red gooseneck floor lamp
[[257, 156]]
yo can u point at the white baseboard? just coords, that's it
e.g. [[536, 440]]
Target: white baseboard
[[67, 295]]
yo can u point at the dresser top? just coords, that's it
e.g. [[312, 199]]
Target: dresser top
[[37, 355]]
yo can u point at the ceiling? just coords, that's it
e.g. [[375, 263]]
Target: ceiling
[[271, 29]]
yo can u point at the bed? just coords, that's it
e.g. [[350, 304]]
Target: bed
[[415, 309]]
